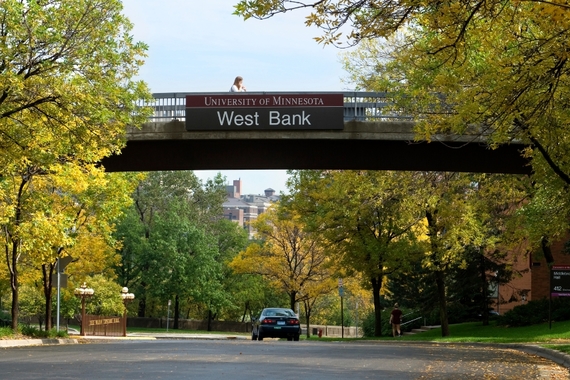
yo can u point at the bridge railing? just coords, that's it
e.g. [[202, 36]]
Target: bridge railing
[[370, 106], [359, 106]]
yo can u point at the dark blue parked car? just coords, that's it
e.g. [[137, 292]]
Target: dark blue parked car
[[276, 323]]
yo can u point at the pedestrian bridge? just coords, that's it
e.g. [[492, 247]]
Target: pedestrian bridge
[[374, 137]]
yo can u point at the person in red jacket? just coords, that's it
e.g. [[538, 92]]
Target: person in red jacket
[[395, 320]]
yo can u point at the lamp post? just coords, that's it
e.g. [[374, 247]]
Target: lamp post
[[83, 292], [127, 297], [498, 292]]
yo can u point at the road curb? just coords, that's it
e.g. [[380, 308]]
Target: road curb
[[558, 357], [34, 342]]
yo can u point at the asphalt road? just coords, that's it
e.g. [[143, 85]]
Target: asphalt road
[[271, 359]]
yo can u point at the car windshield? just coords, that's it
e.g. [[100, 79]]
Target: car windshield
[[279, 313]]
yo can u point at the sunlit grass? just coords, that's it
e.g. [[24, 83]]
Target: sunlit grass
[[476, 332], [25, 331], [6, 332], [559, 347], [555, 336]]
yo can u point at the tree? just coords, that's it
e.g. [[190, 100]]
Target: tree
[[292, 259], [66, 98], [368, 218], [466, 214], [357, 300], [496, 70], [173, 220], [67, 93], [63, 208], [231, 239], [451, 226], [32, 304]]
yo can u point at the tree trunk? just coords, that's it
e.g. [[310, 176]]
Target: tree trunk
[[142, 301], [292, 299], [14, 281], [176, 312], [209, 320], [376, 285], [440, 281], [12, 248], [484, 300], [246, 308], [47, 271], [545, 245], [308, 316]]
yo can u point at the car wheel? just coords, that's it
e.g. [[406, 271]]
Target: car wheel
[[296, 338], [259, 337]]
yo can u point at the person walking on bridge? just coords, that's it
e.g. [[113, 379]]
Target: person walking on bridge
[[238, 85]]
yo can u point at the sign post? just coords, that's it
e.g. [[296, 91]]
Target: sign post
[[341, 294], [559, 285], [168, 315], [61, 263]]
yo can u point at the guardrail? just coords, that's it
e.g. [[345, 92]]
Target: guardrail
[[359, 106], [413, 320]]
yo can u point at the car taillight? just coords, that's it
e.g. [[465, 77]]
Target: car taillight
[[268, 321], [293, 321]]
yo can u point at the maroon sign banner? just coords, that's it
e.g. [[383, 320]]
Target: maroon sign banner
[[560, 281], [267, 111]]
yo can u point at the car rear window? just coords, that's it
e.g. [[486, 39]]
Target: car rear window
[[279, 313]]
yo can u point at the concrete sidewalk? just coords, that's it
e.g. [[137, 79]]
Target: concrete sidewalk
[[76, 339]]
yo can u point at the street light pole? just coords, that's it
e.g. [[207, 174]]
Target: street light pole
[[127, 297], [168, 316], [83, 292], [58, 293]]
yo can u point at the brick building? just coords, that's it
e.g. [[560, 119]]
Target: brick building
[[540, 281], [244, 208], [534, 280]]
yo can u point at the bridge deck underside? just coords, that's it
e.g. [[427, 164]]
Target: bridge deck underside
[[261, 154]]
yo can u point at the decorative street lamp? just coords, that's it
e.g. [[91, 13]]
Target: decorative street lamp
[[127, 297], [83, 292]]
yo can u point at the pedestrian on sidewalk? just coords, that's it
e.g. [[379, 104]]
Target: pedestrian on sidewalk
[[395, 320]]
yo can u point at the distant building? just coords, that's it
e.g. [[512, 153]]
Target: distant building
[[243, 209]]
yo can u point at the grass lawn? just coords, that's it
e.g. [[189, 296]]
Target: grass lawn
[[476, 332], [556, 338]]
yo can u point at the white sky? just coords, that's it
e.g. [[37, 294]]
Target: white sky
[[199, 46]]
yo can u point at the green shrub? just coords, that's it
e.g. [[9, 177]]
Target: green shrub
[[5, 318], [34, 332], [5, 332], [53, 333], [535, 312], [368, 325]]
